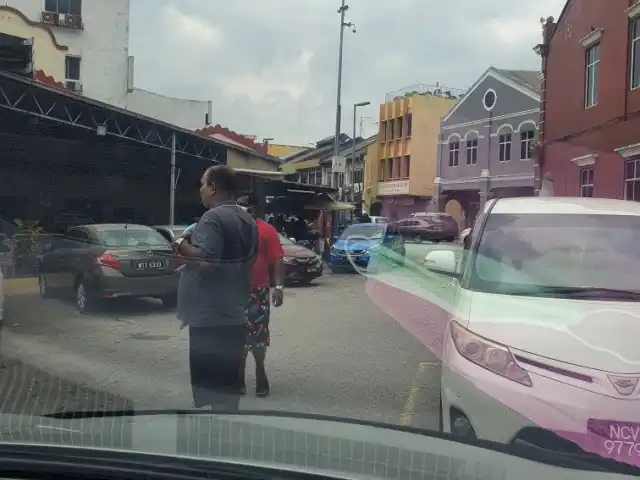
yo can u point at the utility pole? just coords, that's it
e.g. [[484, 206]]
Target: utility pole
[[353, 148], [173, 181], [342, 11]]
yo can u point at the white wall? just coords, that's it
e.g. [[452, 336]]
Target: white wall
[[190, 114], [103, 45]]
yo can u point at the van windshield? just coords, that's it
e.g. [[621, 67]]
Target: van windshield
[[539, 252]]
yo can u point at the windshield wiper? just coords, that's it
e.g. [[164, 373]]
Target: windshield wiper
[[591, 292], [582, 293]]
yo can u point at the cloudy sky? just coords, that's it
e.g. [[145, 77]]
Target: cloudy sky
[[270, 66]]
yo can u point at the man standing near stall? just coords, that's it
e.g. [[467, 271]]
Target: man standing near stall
[[267, 277]]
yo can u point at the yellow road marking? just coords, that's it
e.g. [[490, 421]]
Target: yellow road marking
[[414, 390]]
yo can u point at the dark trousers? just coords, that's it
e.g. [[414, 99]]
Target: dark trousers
[[262, 382], [215, 356]]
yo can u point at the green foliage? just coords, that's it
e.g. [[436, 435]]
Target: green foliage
[[28, 238]]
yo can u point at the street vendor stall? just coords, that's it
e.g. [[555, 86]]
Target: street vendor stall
[[289, 201], [267, 185], [325, 203]]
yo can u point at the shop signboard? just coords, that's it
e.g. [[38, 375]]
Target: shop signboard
[[338, 164], [398, 187]]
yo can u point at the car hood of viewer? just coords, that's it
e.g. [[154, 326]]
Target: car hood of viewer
[[297, 442]]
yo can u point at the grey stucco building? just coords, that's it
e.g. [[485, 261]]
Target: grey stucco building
[[486, 142]]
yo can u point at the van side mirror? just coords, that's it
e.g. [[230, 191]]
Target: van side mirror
[[442, 261]]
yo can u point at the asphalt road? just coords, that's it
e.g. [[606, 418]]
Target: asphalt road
[[347, 345]]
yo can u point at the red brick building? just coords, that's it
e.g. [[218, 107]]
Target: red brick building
[[590, 111]]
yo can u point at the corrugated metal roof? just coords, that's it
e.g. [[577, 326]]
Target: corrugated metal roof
[[347, 150], [130, 113]]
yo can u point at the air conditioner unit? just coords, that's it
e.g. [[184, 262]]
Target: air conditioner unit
[[74, 85], [50, 18], [70, 21]]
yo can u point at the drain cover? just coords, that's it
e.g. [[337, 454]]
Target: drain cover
[[146, 336]]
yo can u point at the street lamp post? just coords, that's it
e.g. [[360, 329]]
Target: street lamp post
[[353, 148], [342, 11]]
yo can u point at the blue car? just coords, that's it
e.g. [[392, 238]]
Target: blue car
[[358, 244]]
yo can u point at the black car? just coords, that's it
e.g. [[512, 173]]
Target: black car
[[301, 265]]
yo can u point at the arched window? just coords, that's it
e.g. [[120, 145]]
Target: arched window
[[454, 149], [472, 147], [504, 128], [527, 131]]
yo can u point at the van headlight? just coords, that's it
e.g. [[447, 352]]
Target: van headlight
[[487, 354]]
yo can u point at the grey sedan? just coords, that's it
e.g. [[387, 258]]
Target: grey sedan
[[105, 261]]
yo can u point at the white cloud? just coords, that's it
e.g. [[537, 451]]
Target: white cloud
[[191, 29], [282, 76], [270, 67]]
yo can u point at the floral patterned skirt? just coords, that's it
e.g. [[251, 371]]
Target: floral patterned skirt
[[257, 315]]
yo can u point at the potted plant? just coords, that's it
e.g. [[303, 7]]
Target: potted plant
[[27, 246]]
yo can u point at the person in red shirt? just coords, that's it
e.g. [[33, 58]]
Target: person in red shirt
[[267, 277]]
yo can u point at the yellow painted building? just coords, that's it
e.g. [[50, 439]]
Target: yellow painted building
[[48, 54], [401, 167], [281, 151], [237, 158], [308, 159]]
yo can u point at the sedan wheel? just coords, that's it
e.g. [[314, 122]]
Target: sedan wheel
[[417, 239], [169, 301], [83, 302]]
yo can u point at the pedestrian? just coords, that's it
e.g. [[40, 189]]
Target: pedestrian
[[213, 290], [267, 277]]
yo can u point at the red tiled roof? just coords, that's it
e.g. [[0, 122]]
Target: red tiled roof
[[42, 77], [211, 130]]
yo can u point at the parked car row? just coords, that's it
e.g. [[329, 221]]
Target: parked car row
[[98, 262]]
